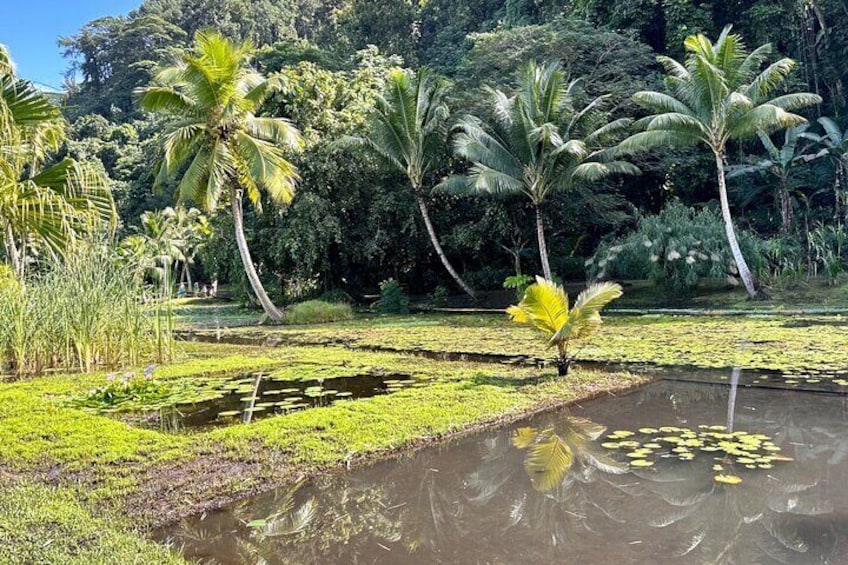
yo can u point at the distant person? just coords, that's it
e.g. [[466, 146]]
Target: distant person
[[196, 289], [213, 290], [204, 292], [181, 292]]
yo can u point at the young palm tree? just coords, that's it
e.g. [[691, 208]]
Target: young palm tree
[[190, 229], [545, 307], [538, 142], [781, 164], [720, 93], [407, 127], [834, 146], [45, 207], [217, 139]]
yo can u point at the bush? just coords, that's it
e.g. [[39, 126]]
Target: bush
[[392, 298], [676, 249], [317, 312], [440, 296]]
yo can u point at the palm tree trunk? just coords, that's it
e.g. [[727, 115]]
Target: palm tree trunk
[[12, 251], [187, 273], [785, 211], [543, 246], [238, 222], [422, 205], [741, 265]]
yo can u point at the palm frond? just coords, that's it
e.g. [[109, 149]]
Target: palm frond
[[544, 306]]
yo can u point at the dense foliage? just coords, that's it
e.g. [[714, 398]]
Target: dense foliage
[[352, 224]]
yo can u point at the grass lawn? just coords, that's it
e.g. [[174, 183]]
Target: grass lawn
[[92, 482]]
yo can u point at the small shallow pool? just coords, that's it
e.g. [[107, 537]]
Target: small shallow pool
[[483, 500]]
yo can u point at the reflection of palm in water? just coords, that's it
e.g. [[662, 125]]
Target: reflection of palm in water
[[433, 508]]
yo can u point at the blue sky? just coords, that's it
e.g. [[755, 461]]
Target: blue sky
[[30, 28]]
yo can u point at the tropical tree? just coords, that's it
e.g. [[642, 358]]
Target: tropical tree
[[781, 164], [537, 143], [834, 146], [41, 206], [545, 308], [718, 94], [218, 142], [155, 246], [407, 128], [190, 231]]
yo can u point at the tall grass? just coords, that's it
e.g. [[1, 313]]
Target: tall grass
[[317, 312], [83, 312]]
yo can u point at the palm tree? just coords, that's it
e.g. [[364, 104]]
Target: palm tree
[[538, 142], [42, 206], [780, 164], [217, 140], [406, 128], [720, 93], [545, 308], [154, 246], [190, 229], [834, 143]]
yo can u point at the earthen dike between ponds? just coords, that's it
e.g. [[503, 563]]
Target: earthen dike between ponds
[[746, 377]]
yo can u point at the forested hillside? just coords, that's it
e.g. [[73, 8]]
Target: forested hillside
[[354, 221]]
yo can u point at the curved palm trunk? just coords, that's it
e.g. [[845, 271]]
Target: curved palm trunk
[[238, 222], [543, 246], [12, 251], [744, 272], [422, 205]]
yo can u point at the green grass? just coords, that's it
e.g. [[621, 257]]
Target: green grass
[[41, 524], [775, 342]]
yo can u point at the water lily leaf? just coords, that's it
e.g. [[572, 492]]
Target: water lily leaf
[[641, 463], [727, 479]]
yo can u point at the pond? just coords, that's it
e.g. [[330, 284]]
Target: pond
[[248, 398], [482, 500]]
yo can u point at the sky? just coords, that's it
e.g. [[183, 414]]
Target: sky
[[31, 28]]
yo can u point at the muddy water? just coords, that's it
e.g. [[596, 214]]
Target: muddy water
[[478, 501]]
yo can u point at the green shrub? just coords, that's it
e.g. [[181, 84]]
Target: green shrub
[[317, 312], [440, 296], [392, 298], [518, 283], [676, 249]]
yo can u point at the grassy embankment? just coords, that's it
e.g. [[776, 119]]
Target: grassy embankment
[[93, 482]]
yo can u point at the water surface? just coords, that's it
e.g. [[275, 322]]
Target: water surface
[[478, 500]]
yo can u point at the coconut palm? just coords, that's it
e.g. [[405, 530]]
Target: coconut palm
[[720, 93], [407, 128], [545, 308], [780, 164], [41, 206], [217, 142], [537, 143], [834, 146]]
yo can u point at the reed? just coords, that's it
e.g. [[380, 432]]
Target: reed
[[86, 311]]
